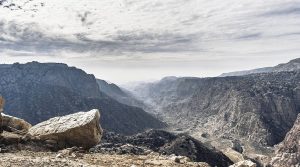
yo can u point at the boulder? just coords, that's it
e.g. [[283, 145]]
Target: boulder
[[14, 124], [245, 163], [81, 129], [233, 155]]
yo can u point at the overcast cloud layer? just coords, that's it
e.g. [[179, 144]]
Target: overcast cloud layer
[[125, 40]]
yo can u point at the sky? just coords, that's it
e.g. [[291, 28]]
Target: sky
[[134, 40]]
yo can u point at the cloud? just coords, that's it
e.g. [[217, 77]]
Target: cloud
[[30, 37], [291, 10]]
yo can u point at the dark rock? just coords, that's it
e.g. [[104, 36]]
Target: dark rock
[[162, 142], [187, 146], [236, 145]]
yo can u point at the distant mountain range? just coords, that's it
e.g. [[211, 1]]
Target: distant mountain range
[[258, 108], [37, 92], [290, 66]]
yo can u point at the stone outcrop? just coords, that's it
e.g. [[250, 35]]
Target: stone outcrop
[[79, 129], [288, 151]]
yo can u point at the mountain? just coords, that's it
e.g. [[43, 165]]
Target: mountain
[[290, 66], [118, 94], [258, 108], [37, 92]]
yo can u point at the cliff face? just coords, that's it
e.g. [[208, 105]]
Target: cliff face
[[257, 108], [37, 92], [288, 151]]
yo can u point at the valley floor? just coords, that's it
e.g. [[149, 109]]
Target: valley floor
[[45, 159]]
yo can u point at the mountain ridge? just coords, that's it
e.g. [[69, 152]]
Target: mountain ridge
[[289, 66], [37, 92]]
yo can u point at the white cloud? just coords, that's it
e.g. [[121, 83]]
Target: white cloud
[[152, 33]]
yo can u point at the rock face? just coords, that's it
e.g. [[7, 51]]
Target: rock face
[[37, 92], [288, 151], [79, 129], [259, 108], [163, 142], [292, 65]]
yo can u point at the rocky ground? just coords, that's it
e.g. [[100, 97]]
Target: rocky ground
[[43, 159]]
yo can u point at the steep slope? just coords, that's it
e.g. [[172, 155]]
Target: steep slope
[[288, 151], [37, 92], [118, 94], [257, 108], [290, 66]]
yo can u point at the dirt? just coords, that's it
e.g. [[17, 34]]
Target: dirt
[[45, 159]]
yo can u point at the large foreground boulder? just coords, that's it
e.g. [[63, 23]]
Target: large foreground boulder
[[80, 129]]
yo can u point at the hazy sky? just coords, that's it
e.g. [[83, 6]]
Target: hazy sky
[[129, 40]]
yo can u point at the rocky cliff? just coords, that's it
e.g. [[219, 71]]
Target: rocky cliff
[[290, 66], [37, 92], [259, 108], [288, 151]]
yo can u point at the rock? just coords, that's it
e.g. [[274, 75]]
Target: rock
[[79, 129], [110, 148], [185, 145], [236, 145], [14, 124], [288, 151], [179, 159], [245, 163], [233, 155], [260, 160], [153, 141]]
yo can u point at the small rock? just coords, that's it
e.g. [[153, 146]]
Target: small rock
[[177, 160], [245, 163]]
